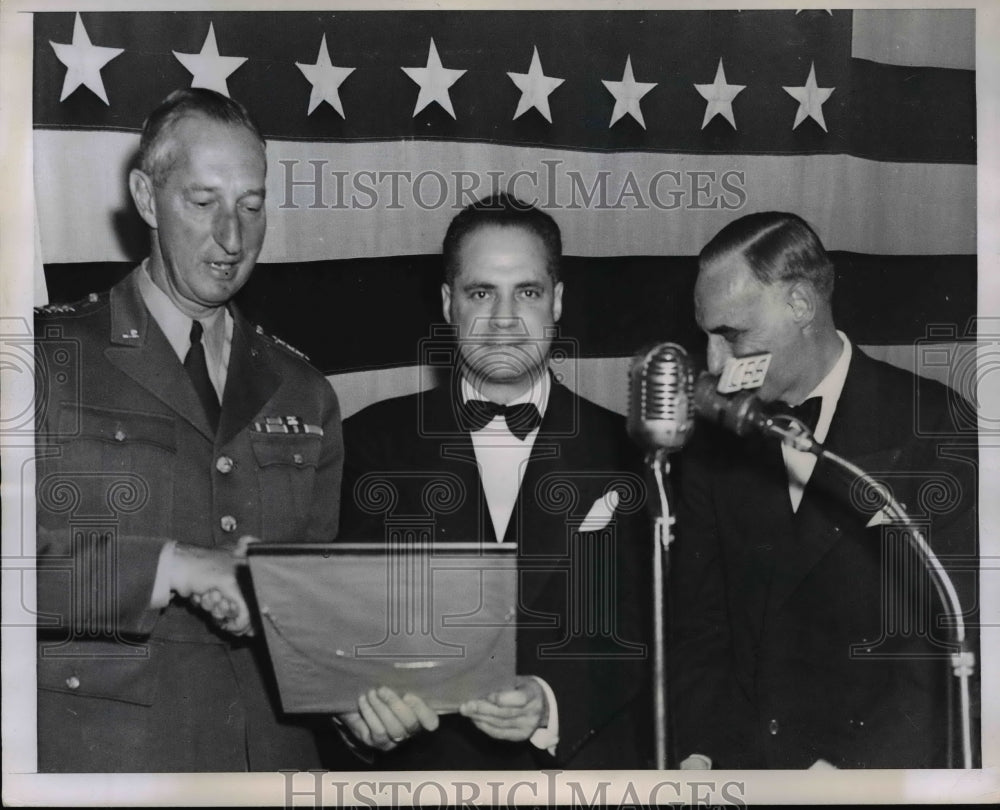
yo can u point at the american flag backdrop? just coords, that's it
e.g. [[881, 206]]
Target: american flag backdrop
[[641, 132]]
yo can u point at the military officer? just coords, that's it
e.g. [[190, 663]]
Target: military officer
[[171, 431]]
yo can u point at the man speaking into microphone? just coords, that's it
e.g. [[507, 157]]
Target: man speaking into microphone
[[804, 633]]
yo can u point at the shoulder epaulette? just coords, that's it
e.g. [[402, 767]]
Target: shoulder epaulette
[[67, 309], [283, 344]]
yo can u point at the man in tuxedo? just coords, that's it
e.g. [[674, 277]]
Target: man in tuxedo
[[172, 432], [805, 633], [533, 459]]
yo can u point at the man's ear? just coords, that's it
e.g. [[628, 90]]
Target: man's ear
[[446, 301], [140, 185], [802, 301], [557, 292]]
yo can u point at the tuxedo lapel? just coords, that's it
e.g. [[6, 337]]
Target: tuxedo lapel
[[540, 531], [754, 484], [139, 349], [547, 456], [853, 432], [438, 420], [827, 509]]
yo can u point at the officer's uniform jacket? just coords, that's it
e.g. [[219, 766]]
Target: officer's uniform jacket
[[126, 462]]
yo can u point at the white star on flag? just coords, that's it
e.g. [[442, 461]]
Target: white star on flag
[[83, 62], [434, 80], [810, 98], [535, 88], [326, 79], [208, 69], [628, 92], [719, 96]]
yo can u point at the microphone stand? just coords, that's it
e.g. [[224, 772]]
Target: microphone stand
[[962, 659], [659, 463]]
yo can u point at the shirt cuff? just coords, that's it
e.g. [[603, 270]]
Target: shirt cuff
[[547, 737], [160, 597]]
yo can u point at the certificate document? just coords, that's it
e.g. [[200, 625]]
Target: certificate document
[[341, 618]]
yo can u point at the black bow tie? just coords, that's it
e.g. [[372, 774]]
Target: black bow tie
[[521, 419], [807, 413]]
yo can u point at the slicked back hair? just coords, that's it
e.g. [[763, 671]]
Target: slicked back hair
[[155, 156], [501, 211], [776, 246]]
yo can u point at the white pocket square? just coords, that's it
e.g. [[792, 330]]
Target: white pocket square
[[880, 518], [601, 512]]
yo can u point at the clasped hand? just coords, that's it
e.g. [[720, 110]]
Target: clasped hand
[[511, 714], [384, 719], [207, 578]]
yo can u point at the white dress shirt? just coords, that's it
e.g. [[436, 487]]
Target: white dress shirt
[[502, 459], [798, 463], [218, 342], [501, 456]]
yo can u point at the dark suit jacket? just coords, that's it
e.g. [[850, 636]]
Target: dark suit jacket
[[580, 453], [799, 636], [126, 462]]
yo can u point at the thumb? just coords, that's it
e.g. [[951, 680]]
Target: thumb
[[240, 551]]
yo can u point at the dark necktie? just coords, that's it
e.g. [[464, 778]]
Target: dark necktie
[[197, 369], [807, 413], [521, 419]]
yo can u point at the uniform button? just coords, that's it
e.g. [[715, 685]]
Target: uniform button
[[773, 727], [119, 435], [73, 682], [228, 523], [297, 458], [224, 464]]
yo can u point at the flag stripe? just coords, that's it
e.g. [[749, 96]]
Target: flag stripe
[[890, 103], [675, 50], [927, 37], [884, 167], [378, 313], [640, 204]]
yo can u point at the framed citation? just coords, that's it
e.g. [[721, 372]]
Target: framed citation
[[437, 620]]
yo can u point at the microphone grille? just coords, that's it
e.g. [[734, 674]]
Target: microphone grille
[[660, 392]]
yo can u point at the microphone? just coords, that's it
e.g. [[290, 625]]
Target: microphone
[[661, 412], [660, 419], [743, 413]]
